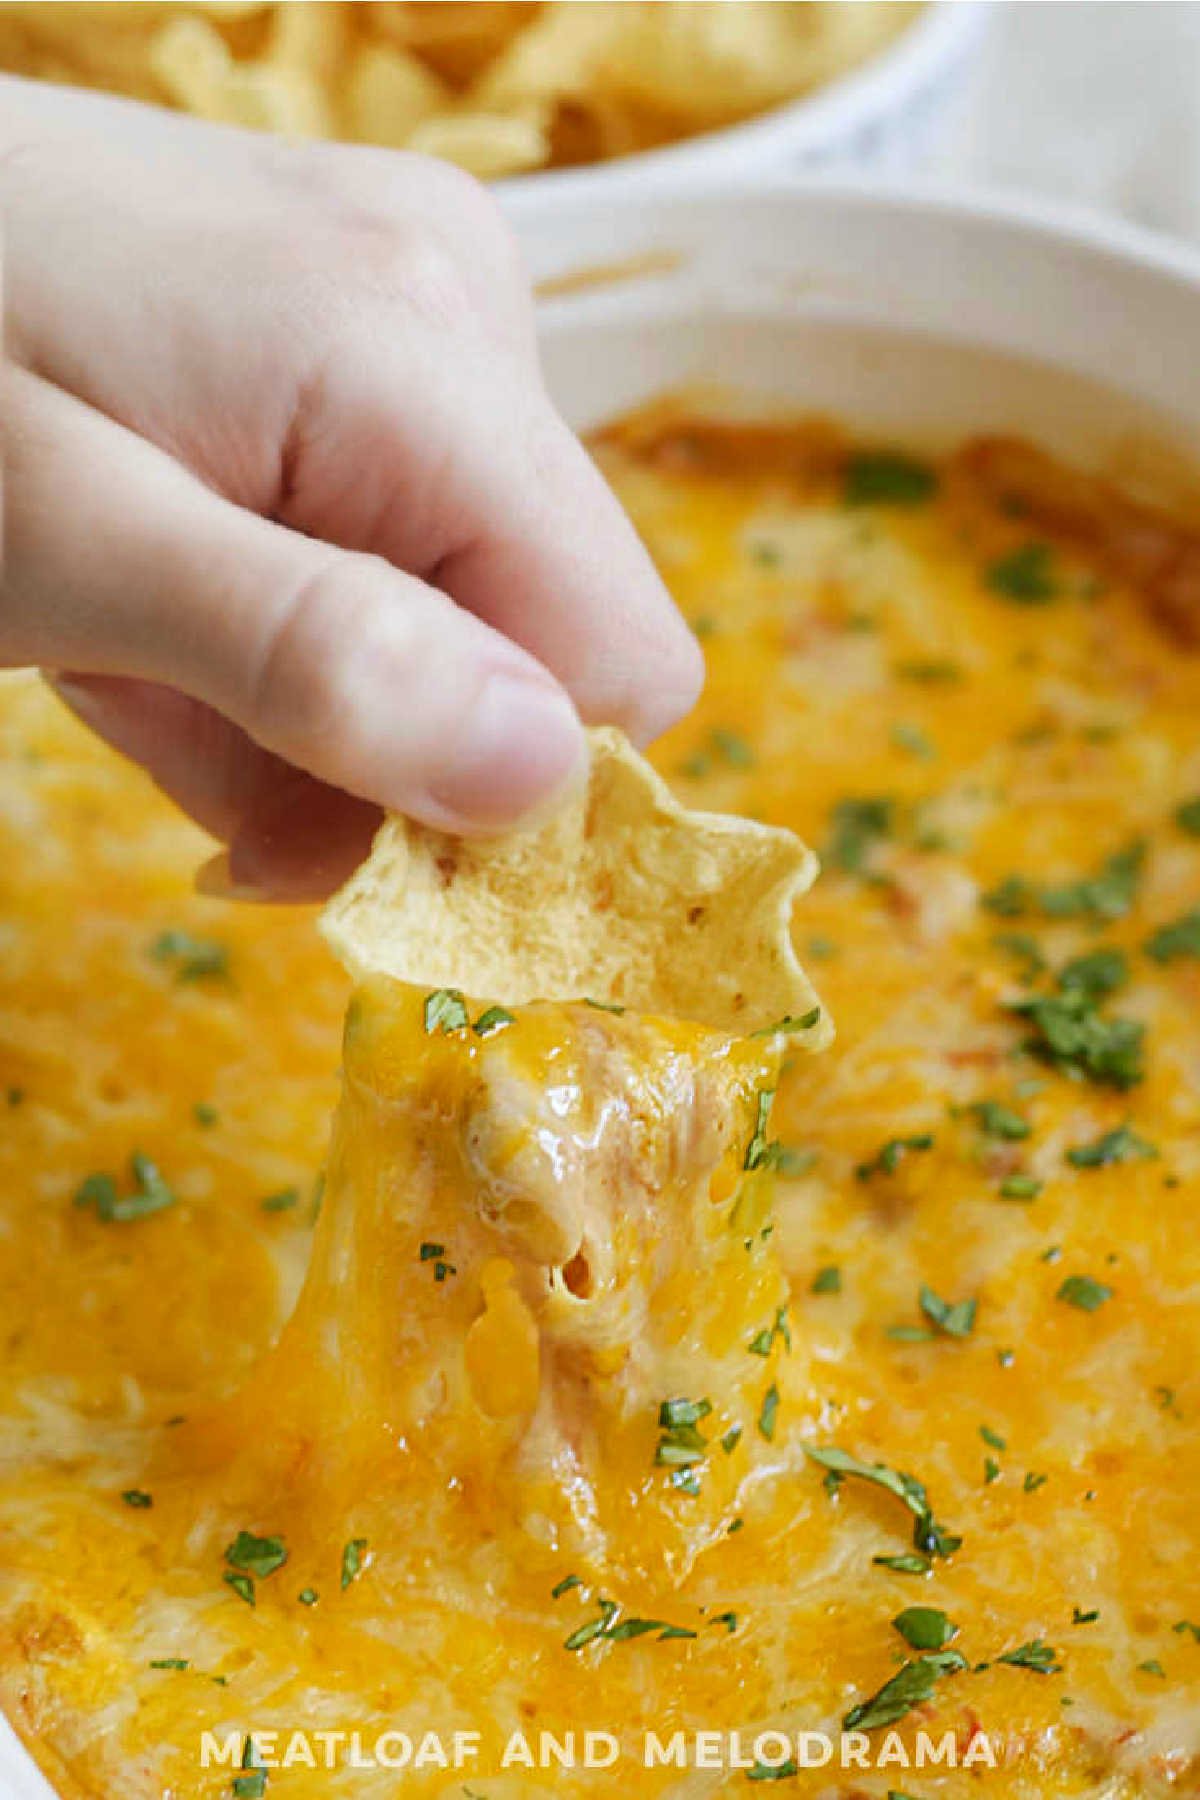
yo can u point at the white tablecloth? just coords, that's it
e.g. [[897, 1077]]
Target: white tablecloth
[[1090, 102]]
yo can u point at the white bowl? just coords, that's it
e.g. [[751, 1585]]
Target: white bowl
[[921, 316], [900, 106]]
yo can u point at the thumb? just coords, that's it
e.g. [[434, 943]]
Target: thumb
[[120, 562]]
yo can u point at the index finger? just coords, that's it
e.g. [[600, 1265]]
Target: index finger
[[452, 463]]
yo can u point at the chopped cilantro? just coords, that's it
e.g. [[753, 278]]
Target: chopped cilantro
[[308, 1596], [1096, 975], [1074, 1038], [352, 1560], [993, 1438], [1085, 1293], [827, 1280], [608, 1627], [1152, 1666], [242, 1585], [205, 1114], [887, 478], [732, 748], [789, 1023], [137, 1497], [786, 1160], [887, 1160], [924, 1627], [911, 1685], [1033, 1481], [914, 740], [762, 1343], [768, 1412], [857, 826], [254, 1785], [283, 1201], [1187, 1625], [258, 1556], [445, 1010], [1026, 574], [564, 1586], [928, 1536], [991, 1470], [1181, 937], [1034, 1655], [1187, 816], [1079, 1617], [1107, 895], [492, 1019], [999, 1121], [151, 1193], [957, 1320], [1119, 1146], [907, 1563], [194, 958], [783, 1771], [1020, 1187], [170, 1662], [757, 1149], [1025, 948]]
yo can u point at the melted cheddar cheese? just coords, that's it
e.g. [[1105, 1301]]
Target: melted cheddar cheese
[[612, 1380]]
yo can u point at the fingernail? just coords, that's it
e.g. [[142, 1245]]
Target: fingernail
[[217, 881], [519, 747]]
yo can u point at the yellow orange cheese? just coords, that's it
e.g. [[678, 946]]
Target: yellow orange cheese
[[973, 686]]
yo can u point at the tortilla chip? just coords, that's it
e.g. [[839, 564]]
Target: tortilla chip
[[621, 896]]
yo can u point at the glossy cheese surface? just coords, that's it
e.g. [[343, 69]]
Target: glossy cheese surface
[[580, 1303]]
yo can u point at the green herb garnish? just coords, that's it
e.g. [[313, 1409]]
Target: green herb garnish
[[352, 1561], [445, 1010], [1026, 574], [258, 1556], [887, 1160], [924, 1627], [1034, 1655], [150, 1194], [957, 1320], [492, 1019], [857, 826], [928, 1536], [1084, 1292], [283, 1201], [1181, 937], [911, 1685], [999, 1121], [768, 1413], [1119, 1146], [194, 958], [1071, 1035], [1020, 1187], [1096, 975], [887, 478]]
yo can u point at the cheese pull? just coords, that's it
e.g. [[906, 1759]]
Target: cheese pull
[[540, 1259]]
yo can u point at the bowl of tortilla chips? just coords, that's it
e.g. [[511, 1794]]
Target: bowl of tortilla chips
[[523, 90]]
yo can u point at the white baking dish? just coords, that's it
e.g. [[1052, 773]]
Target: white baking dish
[[924, 317]]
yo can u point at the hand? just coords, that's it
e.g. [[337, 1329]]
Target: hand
[[288, 511]]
